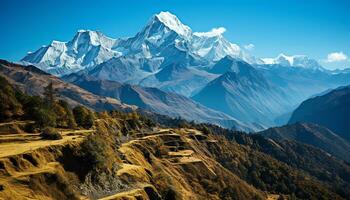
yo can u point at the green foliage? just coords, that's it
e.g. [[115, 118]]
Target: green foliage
[[31, 104], [50, 133], [30, 128], [10, 107], [50, 94], [44, 117], [94, 151], [267, 173], [65, 117], [46, 112], [83, 117], [294, 169]]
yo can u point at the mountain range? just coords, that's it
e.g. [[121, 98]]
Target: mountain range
[[311, 134], [164, 37], [330, 110], [158, 101], [204, 66], [171, 113], [32, 81], [243, 92]]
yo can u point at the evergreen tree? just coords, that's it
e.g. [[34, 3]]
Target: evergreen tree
[[83, 117], [50, 94]]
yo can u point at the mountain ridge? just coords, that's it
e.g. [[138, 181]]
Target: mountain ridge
[[167, 54], [89, 48], [241, 91], [33, 80], [311, 134], [330, 110], [155, 100]]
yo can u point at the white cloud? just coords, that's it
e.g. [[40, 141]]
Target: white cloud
[[212, 33], [336, 57], [249, 47]]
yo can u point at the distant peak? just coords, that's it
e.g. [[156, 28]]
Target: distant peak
[[173, 23], [88, 32], [166, 14], [93, 37], [167, 17], [83, 31], [295, 60], [283, 57], [57, 42]]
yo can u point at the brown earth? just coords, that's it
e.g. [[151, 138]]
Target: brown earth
[[32, 81], [162, 164]]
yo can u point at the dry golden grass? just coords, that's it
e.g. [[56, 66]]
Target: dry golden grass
[[27, 161], [272, 197], [136, 172], [31, 142], [181, 153], [172, 163]]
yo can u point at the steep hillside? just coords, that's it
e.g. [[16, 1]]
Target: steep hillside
[[260, 172], [32, 81], [244, 93], [330, 110], [158, 164], [115, 155], [124, 69], [155, 100], [179, 78], [302, 83], [314, 135]]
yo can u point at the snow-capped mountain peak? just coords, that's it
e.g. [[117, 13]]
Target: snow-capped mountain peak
[[86, 49], [213, 46], [173, 23], [163, 38], [295, 61], [282, 58], [95, 38]]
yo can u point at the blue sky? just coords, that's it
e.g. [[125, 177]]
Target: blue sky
[[310, 27]]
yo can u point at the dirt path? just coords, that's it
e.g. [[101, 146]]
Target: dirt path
[[16, 122], [21, 143]]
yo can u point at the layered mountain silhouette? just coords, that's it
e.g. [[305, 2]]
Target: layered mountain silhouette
[[243, 92], [314, 135], [158, 101], [205, 66], [32, 81], [330, 110]]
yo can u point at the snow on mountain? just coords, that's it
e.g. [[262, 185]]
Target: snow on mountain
[[163, 37], [86, 49], [172, 22], [213, 46], [162, 31], [295, 61]]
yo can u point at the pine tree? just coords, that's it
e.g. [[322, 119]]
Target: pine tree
[[50, 94]]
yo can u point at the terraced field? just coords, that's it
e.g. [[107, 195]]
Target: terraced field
[[150, 162]]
